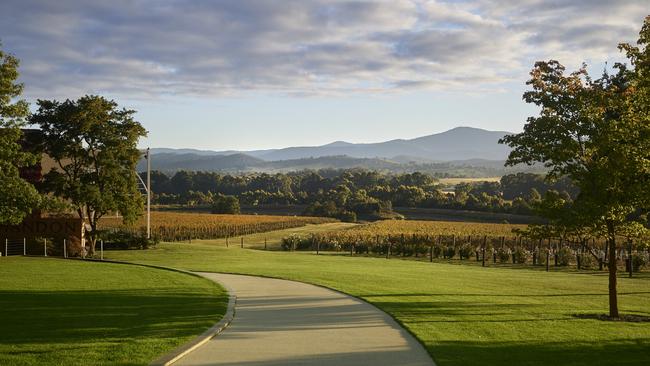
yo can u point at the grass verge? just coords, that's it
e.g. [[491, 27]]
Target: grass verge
[[64, 312]]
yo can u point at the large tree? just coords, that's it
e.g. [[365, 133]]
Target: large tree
[[17, 197], [596, 132], [94, 144]]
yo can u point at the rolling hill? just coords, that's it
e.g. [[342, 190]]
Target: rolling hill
[[460, 151]]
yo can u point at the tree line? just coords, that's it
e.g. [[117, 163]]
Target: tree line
[[356, 192]]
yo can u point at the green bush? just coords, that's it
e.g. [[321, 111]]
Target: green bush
[[226, 205], [36, 246], [587, 261], [564, 256], [465, 251], [504, 255], [521, 255], [126, 240], [437, 251], [450, 252], [347, 216], [639, 261], [298, 243]]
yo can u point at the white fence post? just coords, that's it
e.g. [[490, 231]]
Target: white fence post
[[24, 246], [101, 243], [45, 247], [65, 250]]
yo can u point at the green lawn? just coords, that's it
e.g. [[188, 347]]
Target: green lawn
[[465, 315], [65, 312]]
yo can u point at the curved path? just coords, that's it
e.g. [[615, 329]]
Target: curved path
[[280, 322]]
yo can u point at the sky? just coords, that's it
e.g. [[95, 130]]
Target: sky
[[257, 74]]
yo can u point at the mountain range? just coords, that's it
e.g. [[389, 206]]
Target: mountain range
[[461, 147]]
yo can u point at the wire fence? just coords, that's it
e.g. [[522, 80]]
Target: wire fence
[[45, 247], [486, 250]]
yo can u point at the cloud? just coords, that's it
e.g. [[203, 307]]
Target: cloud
[[149, 49]]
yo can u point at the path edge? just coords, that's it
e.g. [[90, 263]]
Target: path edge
[[186, 348], [200, 340]]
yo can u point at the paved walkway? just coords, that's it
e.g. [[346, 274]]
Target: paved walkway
[[280, 322]]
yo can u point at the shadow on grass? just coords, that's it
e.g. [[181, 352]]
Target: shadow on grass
[[104, 315], [612, 352], [503, 295], [629, 318]]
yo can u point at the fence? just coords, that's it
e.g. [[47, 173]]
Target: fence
[[486, 250], [46, 247]]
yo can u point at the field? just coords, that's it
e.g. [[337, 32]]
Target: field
[[177, 226], [464, 315], [65, 312], [487, 244], [433, 228], [273, 239], [407, 237], [454, 181]]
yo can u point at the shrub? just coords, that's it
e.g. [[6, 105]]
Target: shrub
[[347, 216], [450, 252], [521, 255], [297, 242], [504, 255], [120, 239], [587, 261], [36, 246], [422, 249], [564, 256], [225, 205], [465, 251], [639, 261], [437, 251]]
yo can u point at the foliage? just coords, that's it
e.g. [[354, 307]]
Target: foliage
[[370, 195], [450, 252], [296, 242], [95, 146], [596, 132], [639, 261], [17, 197], [225, 205], [118, 239], [431, 229], [564, 256], [504, 255], [520, 255], [587, 261], [465, 251]]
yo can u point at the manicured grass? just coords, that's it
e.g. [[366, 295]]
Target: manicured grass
[[66, 312], [464, 315]]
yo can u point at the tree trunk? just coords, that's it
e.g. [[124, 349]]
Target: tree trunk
[[613, 298], [92, 236]]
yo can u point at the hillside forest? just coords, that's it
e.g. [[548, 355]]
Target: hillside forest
[[352, 194]]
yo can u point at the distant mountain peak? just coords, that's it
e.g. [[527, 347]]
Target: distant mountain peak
[[459, 143], [338, 144]]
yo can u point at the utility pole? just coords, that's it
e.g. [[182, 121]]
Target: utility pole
[[148, 193]]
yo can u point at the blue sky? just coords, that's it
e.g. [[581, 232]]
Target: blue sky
[[273, 73]]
